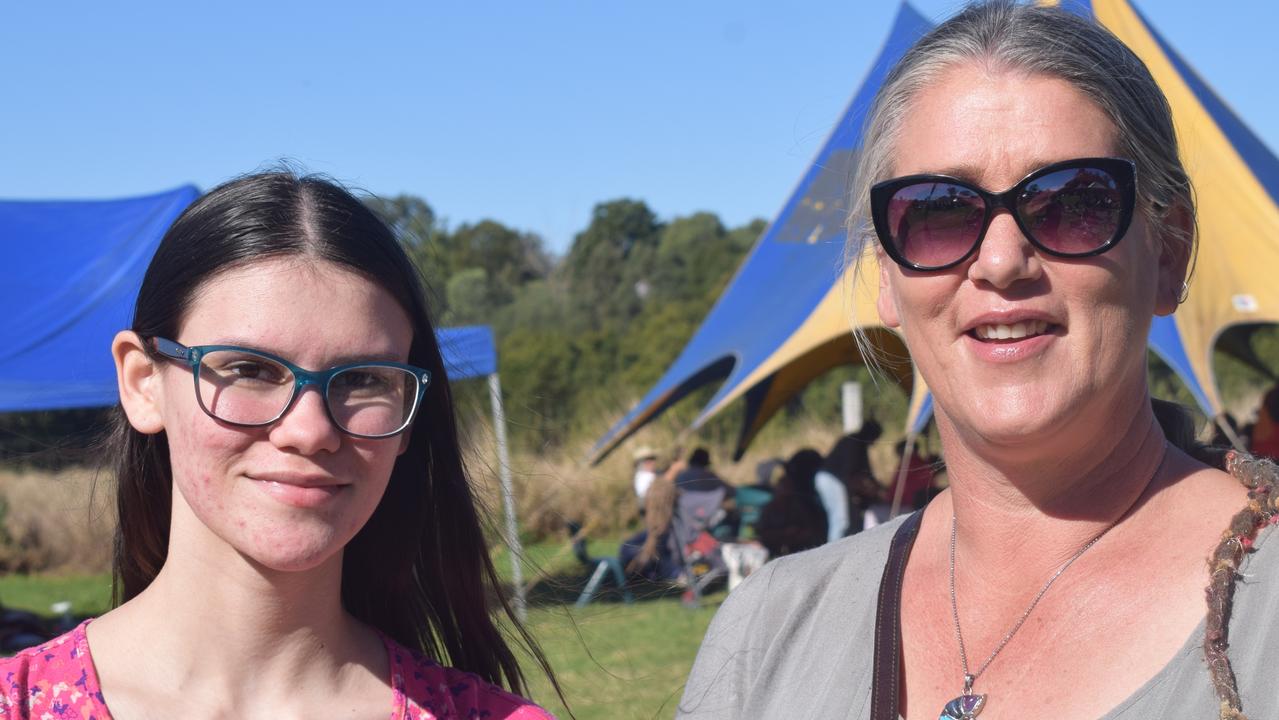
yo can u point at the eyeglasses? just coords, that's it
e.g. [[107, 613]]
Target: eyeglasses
[[250, 388], [1070, 209]]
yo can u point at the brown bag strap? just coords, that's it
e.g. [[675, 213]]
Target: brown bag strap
[[888, 623]]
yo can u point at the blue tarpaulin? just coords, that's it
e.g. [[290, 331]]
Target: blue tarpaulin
[[72, 273]]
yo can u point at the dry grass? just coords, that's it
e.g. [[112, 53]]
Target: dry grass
[[54, 522], [58, 521], [556, 486]]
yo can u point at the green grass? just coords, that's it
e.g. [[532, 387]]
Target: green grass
[[613, 660], [618, 661], [89, 594]]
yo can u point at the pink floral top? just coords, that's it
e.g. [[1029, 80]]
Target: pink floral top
[[56, 681]]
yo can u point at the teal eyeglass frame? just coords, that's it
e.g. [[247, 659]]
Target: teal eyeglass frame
[[301, 378]]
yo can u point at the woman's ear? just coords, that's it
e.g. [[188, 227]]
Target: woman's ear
[[139, 379], [1176, 251], [886, 304]]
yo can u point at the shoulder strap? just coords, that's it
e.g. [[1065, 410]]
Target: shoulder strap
[[888, 626]]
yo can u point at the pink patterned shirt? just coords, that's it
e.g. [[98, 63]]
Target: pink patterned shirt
[[57, 681]]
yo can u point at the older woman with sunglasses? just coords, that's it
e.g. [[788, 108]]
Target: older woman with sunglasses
[[1030, 217], [297, 533]]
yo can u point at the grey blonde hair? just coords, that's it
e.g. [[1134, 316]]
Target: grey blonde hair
[[1005, 36]]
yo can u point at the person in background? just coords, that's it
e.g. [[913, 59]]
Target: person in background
[[766, 472], [1264, 440], [698, 476], [647, 552], [918, 479], [645, 473], [846, 481], [794, 519]]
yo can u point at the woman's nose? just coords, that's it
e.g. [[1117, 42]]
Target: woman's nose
[[306, 426], [1005, 256]]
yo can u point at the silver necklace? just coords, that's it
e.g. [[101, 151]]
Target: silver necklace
[[968, 705]]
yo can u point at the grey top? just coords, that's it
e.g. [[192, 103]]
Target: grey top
[[795, 641]]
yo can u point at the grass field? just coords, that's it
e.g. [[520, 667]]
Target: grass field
[[614, 660]]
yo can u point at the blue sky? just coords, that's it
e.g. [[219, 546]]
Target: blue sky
[[528, 113]]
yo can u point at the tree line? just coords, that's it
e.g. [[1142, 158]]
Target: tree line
[[582, 336]]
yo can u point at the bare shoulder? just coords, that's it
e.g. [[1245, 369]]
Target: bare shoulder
[[1209, 493]]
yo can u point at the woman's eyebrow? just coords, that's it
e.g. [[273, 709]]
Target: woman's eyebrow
[[345, 359], [971, 172]]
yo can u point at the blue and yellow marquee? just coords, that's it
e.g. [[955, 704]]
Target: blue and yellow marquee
[[788, 315]]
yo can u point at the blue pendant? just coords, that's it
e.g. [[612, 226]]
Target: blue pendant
[[964, 707]]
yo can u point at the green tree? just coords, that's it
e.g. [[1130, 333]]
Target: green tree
[[424, 237], [609, 264]]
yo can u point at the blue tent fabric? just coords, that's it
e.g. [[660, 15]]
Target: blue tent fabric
[[469, 351], [73, 272], [790, 270]]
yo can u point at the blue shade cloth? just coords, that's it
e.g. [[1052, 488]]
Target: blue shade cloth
[[469, 351], [71, 274], [72, 271]]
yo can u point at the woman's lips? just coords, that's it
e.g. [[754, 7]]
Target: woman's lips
[[1004, 350], [297, 495]]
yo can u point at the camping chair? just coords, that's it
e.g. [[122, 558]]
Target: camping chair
[[750, 502], [696, 514], [601, 565]]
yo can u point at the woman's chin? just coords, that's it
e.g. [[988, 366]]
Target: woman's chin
[[295, 552], [1011, 425]]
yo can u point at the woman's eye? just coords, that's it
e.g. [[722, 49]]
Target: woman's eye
[[250, 370], [355, 380]]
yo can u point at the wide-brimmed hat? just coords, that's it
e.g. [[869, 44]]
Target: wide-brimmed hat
[[643, 452]]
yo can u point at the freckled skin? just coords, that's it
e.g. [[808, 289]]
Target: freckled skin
[[310, 313]]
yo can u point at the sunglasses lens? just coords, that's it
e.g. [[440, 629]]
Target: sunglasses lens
[[933, 224], [1074, 211]]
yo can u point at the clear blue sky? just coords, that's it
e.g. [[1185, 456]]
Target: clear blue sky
[[526, 112]]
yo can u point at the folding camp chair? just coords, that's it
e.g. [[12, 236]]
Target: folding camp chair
[[750, 502], [602, 566], [696, 514]]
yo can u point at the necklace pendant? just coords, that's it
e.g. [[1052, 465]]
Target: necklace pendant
[[964, 707]]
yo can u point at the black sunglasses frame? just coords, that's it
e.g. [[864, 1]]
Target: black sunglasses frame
[[1123, 171]]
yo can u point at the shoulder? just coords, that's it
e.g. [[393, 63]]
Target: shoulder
[[843, 571], [53, 677], [790, 628], [431, 690], [1253, 635]]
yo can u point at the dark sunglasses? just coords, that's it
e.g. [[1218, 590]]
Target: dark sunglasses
[[1069, 209]]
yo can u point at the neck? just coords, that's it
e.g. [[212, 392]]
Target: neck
[[1053, 501], [218, 618]]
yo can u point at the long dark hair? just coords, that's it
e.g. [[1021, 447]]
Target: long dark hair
[[419, 570]]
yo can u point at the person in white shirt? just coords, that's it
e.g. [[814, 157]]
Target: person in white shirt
[[834, 497], [645, 472]]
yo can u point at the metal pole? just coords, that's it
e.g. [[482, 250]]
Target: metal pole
[[902, 470], [1229, 432], [508, 496]]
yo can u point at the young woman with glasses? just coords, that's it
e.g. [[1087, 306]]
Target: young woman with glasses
[[297, 534], [1021, 188]]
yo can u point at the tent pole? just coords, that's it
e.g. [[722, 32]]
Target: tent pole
[[902, 470], [508, 496], [1230, 433]]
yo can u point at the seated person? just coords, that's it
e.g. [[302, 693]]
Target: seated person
[[794, 519]]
